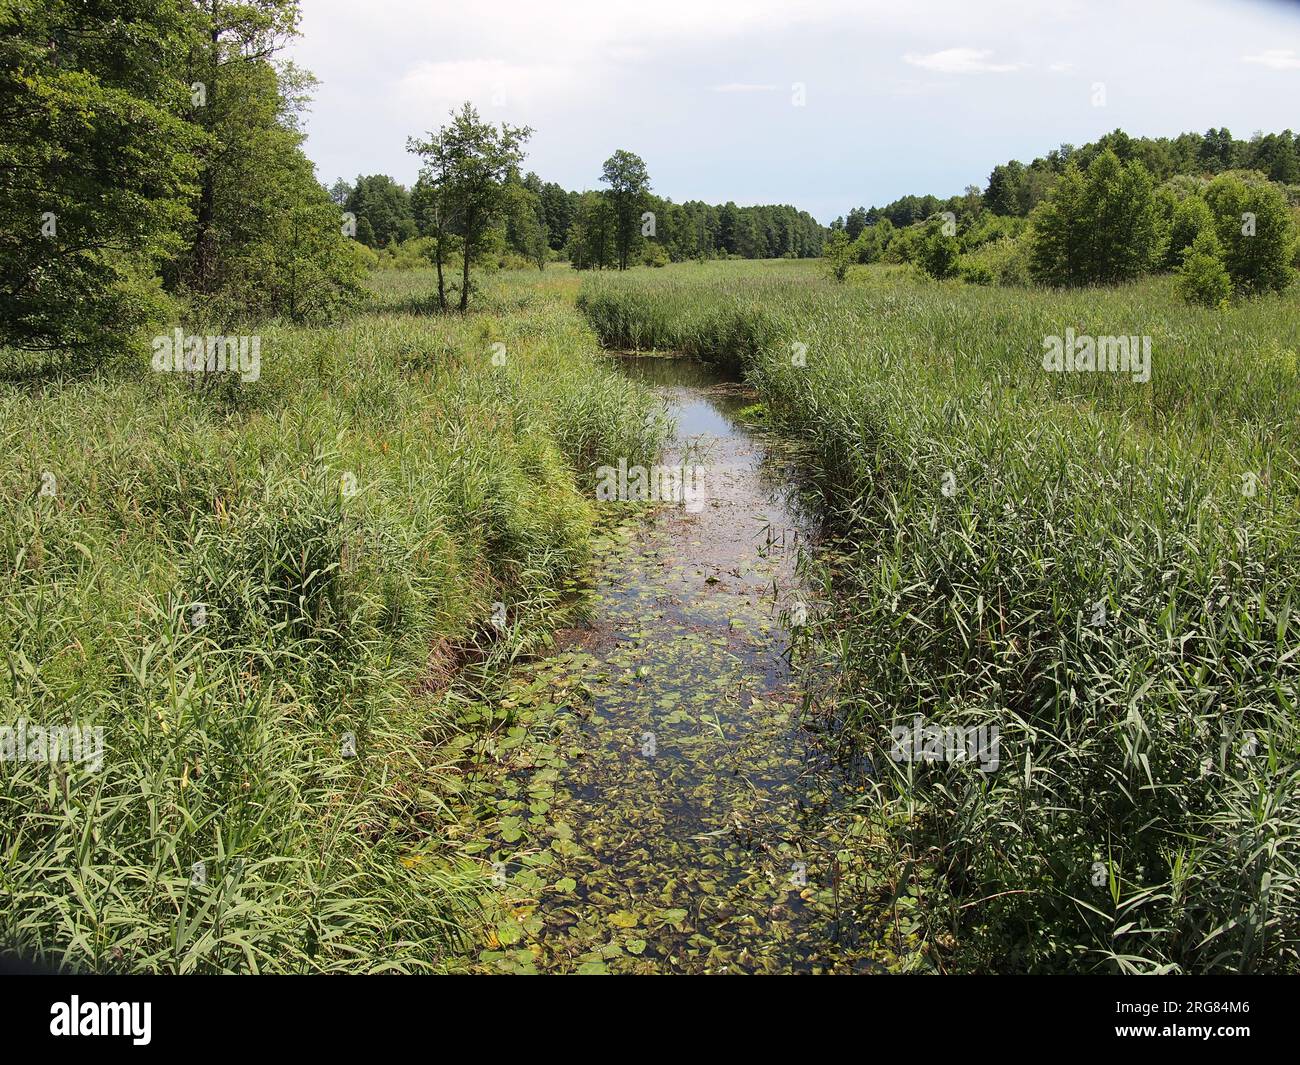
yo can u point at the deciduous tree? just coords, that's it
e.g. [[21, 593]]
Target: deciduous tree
[[628, 180], [467, 163]]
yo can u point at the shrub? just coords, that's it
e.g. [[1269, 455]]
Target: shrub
[[904, 247], [1202, 278], [1096, 227], [1002, 262], [1255, 230], [940, 252], [838, 252], [1190, 218]]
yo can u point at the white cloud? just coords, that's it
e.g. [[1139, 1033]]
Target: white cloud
[[960, 61], [1275, 59], [592, 75]]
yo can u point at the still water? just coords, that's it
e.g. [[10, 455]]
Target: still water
[[683, 817]]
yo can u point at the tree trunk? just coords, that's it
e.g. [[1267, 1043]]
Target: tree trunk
[[464, 274], [438, 257]]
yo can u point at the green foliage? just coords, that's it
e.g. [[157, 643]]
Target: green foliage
[[690, 230], [628, 180], [654, 254], [1255, 231], [696, 230], [96, 171], [988, 228], [872, 241], [904, 246], [1202, 277], [1015, 188], [382, 209], [1083, 237], [838, 252], [1001, 262], [558, 207], [1190, 218], [296, 263], [525, 224], [939, 251], [467, 164], [247, 110], [1097, 227], [591, 235]]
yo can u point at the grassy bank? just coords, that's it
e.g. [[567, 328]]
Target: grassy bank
[[245, 583], [1103, 569]]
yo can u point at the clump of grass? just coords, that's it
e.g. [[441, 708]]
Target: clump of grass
[[678, 313]]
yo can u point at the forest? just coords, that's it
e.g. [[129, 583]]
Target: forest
[[544, 223]]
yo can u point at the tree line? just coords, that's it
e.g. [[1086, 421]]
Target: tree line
[[151, 170], [1014, 188], [152, 174], [620, 225], [1221, 213]]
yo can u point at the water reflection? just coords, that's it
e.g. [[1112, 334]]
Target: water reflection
[[700, 398]]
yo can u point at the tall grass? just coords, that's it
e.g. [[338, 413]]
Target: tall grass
[[243, 584], [1109, 579]]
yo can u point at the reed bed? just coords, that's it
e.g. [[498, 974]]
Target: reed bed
[[1104, 570], [268, 594]]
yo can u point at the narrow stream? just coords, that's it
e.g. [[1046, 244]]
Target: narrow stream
[[680, 817]]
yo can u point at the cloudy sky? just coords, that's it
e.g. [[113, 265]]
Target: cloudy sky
[[826, 104]]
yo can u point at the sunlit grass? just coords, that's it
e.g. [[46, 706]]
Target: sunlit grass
[[347, 523], [1110, 580]]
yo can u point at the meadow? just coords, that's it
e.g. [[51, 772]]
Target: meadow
[[1102, 569], [924, 602], [287, 604], [278, 599]]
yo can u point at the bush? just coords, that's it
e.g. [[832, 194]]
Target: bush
[[654, 254], [1003, 262], [905, 246], [1255, 230], [1190, 218], [838, 253], [1096, 227], [872, 242], [990, 228], [940, 253], [1202, 278]]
